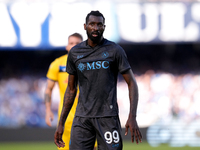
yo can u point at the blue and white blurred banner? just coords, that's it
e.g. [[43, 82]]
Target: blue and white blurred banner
[[47, 24], [176, 133]]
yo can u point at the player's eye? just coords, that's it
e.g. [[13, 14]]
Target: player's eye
[[92, 24], [100, 25]]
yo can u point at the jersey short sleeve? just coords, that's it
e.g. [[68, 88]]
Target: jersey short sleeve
[[122, 61], [53, 71], [70, 67]]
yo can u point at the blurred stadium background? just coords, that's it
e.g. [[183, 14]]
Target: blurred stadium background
[[162, 42]]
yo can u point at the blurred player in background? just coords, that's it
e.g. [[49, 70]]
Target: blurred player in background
[[94, 64], [57, 73]]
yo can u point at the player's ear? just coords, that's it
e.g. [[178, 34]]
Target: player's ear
[[84, 26], [67, 48]]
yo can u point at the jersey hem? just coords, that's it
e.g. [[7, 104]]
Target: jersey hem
[[52, 79]]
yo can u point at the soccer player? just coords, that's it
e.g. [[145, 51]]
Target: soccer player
[[57, 73], [94, 64]]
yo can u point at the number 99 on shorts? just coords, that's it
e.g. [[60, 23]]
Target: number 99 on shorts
[[111, 137]]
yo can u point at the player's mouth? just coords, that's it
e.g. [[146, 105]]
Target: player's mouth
[[95, 34]]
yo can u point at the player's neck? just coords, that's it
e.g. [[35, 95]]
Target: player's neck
[[94, 43]]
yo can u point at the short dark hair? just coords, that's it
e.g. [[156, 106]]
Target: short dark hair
[[94, 13], [77, 35]]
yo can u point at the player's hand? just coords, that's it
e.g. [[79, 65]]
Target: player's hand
[[58, 137], [135, 132], [49, 117]]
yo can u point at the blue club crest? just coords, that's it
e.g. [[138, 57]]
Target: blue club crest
[[105, 54]]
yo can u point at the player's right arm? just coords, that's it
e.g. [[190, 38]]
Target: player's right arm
[[48, 92], [69, 98]]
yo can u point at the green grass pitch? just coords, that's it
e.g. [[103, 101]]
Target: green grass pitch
[[51, 146]]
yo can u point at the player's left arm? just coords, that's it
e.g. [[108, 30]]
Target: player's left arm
[[133, 96]]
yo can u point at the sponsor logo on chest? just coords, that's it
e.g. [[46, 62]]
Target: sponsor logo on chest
[[95, 64]]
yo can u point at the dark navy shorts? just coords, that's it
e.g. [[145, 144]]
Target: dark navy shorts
[[107, 131]]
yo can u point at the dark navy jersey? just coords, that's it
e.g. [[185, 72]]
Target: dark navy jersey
[[97, 69]]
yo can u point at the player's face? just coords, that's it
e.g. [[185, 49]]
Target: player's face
[[95, 28], [72, 41]]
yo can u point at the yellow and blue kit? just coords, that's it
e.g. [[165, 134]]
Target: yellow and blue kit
[[57, 72]]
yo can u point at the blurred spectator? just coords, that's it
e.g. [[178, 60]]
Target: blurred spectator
[[163, 96], [21, 102]]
